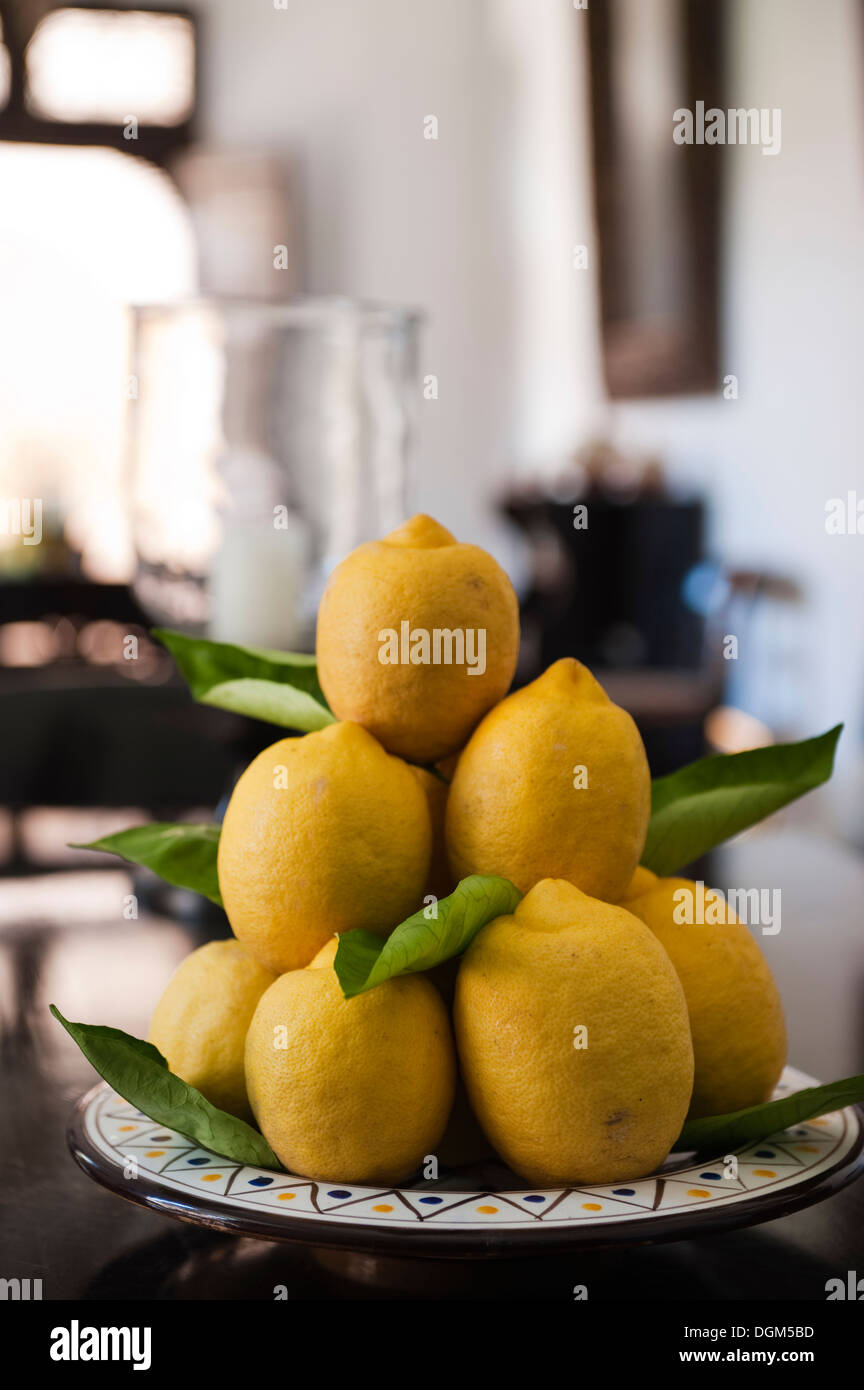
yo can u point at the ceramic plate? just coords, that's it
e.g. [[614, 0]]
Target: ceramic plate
[[480, 1210]]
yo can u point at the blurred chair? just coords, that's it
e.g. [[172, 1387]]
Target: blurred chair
[[620, 580]]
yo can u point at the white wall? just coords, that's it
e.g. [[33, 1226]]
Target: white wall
[[476, 227], [794, 320], [479, 226]]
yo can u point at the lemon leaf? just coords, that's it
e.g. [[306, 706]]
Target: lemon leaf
[[138, 1072], [364, 960], [709, 801], [279, 687], [183, 854], [760, 1121]]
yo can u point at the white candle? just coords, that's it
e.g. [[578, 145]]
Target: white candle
[[257, 581]]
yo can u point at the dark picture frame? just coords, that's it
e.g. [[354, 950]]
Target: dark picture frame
[[668, 346]]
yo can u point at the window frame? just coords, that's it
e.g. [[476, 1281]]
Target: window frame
[[155, 143]]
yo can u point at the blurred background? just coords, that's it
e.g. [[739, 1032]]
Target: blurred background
[[275, 276]]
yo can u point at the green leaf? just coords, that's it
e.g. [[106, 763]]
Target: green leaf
[[364, 960], [709, 801], [183, 854], [726, 1132], [138, 1072], [279, 687]]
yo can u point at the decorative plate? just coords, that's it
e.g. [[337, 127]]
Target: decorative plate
[[480, 1210]]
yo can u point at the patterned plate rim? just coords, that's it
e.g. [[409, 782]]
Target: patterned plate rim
[[684, 1201]]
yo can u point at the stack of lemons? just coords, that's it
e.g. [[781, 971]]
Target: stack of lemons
[[576, 1035]]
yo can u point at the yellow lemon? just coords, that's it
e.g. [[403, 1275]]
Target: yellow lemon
[[573, 1039], [350, 1090], [440, 882], [463, 1140], [200, 1023], [326, 956], [736, 1017], [554, 783], [642, 881], [417, 638], [322, 834]]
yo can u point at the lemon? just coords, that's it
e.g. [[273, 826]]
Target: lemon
[[200, 1023], [440, 882], [325, 956], [554, 783], [388, 599], [573, 1039], [322, 834], [736, 1017], [350, 1090], [463, 1141], [641, 882]]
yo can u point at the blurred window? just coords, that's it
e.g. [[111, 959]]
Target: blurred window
[[113, 66], [99, 75], [84, 232]]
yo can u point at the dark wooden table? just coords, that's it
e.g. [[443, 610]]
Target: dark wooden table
[[64, 940]]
